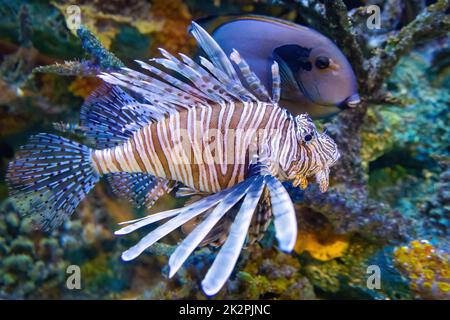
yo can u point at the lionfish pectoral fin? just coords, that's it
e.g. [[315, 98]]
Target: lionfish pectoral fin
[[228, 255], [139, 188], [285, 221], [188, 192], [194, 238], [180, 216]]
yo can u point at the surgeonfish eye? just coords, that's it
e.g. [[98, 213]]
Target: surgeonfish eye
[[322, 62]]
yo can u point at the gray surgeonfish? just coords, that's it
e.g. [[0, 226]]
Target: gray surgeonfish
[[316, 76]]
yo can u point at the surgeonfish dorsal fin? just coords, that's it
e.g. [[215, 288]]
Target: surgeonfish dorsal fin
[[139, 188], [213, 50]]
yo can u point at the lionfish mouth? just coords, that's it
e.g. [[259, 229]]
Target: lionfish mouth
[[322, 179]]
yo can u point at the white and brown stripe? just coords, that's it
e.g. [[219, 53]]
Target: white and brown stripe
[[205, 147]]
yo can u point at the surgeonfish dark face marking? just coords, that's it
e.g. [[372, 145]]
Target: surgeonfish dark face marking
[[316, 76]]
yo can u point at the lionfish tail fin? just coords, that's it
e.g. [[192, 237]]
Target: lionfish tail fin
[[49, 177]]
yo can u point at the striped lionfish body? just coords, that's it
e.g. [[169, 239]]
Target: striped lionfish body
[[207, 148], [228, 144]]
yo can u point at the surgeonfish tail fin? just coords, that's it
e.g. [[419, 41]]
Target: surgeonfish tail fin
[[49, 177]]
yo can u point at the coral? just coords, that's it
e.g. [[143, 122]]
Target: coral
[[105, 19], [176, 19], [83, 87], [70, 68], [316, 236], [347, 276], [437, 206], [349, 270], [427, 268], [332, 247], [101, 56], [28, 267], [269, 273], [33, 264]]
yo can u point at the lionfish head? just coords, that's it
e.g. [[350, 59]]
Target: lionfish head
[[317, 153]]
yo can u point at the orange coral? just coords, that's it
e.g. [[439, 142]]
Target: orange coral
[[427, 268], [84, 86], [322, 245], [176, 18]]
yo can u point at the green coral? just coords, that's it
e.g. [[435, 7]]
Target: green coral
[[28, 268]]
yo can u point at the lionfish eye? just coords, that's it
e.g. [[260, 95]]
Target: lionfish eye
[[322, 62], [308, 138]]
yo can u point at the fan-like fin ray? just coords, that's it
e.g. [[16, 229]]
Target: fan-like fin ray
[[194, 238], [181, 216], [228, 255], [284, 215], [213, 50]]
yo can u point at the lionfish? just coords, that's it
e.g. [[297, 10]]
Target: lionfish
[[228, 143]]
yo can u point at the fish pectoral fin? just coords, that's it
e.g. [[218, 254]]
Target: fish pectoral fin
[[194, 238], [214, 208], [188, 192], [178, 218], [228, 255], [285, 221]]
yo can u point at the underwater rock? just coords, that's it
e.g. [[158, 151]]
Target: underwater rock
[[436, 207], [317, 237]]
